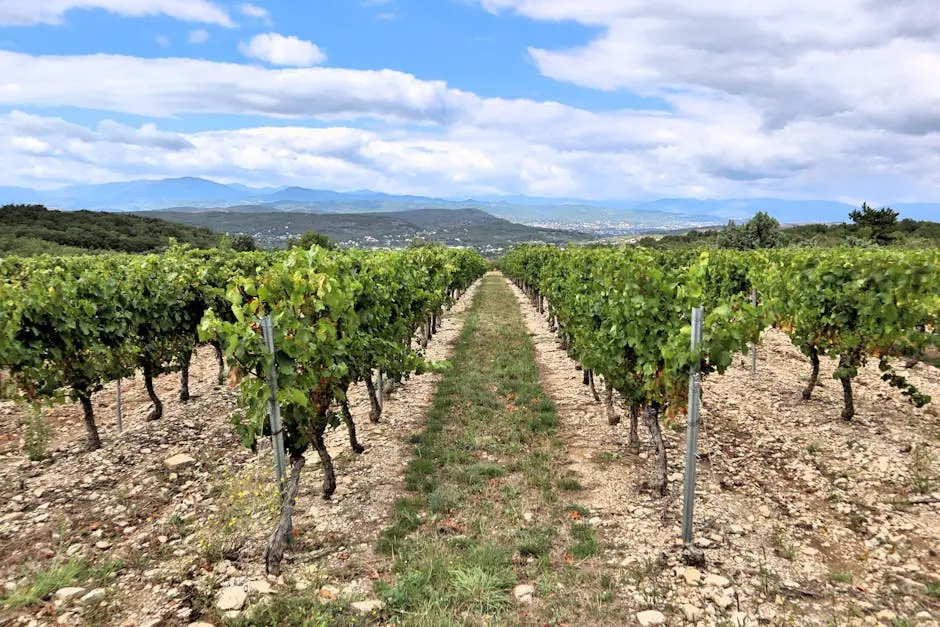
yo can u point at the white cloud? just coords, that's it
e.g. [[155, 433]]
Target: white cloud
[[709, 143], [467, 160], [108, 131], [254, 11], [789, 60], [28, 12], [163, 41], [277, 49], [199, 36]]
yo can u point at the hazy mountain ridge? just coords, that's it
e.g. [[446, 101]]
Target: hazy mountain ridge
[[191, 194]]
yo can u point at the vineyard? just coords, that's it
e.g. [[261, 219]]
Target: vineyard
[[519, 462]]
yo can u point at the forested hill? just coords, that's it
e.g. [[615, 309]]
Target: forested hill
[[33, 229]]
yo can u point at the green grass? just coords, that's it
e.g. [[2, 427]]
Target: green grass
[[59, 574], [488, 454], [586, 541], [933, 589], [304, 611], [841, 575], [570, 484]]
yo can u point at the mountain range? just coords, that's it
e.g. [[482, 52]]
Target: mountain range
[[190, 195]]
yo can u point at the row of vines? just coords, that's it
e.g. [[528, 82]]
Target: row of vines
[[70, 325], [625, 314]]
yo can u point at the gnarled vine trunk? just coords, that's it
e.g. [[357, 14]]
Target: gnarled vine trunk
[[329, 476], [184, 378], [651, 418], [376, 414], [275, 551], [157, 412], [597, 398], [220, 375], [848, 410], [91, 429], [814, 375], [613, 418], [351, 428], [633, 445]]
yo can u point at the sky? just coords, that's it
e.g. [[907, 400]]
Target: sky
[[594, 99]]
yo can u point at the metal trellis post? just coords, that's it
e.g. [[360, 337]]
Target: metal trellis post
[[274, 410], [691, 438]]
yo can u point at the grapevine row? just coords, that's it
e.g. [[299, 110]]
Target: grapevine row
[[625, 314], [69, 325]]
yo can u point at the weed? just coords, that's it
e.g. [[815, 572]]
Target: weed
[[769, 580], [443, 500], [247, 508], [651, 579], [921, 469], [586, 544], [932, 589], [902, 505], [534, 542], [295, 610], [59, 574], [813, 447], [605, 459], [478, 590], [569, 484], [37, 433], [841, 575], [781, 543]]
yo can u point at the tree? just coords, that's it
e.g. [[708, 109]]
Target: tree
[[877, 224], [313, 238], [243, 243], [761, 231]]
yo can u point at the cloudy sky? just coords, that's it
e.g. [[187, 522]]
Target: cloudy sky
[[601, 99]]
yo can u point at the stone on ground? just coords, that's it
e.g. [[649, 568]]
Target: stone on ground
[[651, 617], [231, 598], [178, 461]]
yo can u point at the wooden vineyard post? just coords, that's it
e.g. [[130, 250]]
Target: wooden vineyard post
[[274, 410], [691, 437]]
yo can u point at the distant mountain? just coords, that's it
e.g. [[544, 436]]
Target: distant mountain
[[142, 194], [302, 194], [786, 211], [191, 194]]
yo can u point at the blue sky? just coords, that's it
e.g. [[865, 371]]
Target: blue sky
[[571, 98]]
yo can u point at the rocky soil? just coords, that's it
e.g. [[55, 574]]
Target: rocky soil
[[172, 516], [803, 518]]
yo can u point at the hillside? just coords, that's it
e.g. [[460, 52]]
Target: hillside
[[600, 217], [33, 229], [454, 227]]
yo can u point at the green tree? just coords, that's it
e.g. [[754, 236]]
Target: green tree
[[313, 238], [876, 224], [243, 243], [761, 231]]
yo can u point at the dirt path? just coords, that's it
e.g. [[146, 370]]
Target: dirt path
[[159, 542], [804, 518], [368, 484]]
